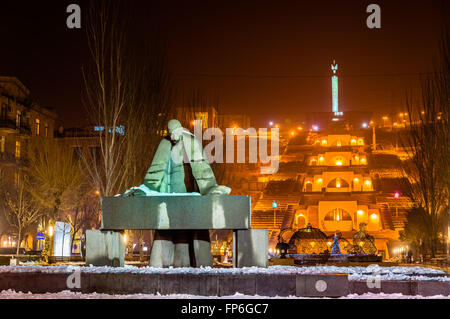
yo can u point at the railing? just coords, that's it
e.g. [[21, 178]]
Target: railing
[[7, 123]]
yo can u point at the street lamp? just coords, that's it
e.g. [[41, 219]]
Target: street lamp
[[274, 206]]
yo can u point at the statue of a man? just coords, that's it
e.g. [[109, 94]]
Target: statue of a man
[[179, 166]]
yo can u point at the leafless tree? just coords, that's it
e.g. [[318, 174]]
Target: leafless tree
[[128, 95], [55, 175], [21, 210], [428, 144]]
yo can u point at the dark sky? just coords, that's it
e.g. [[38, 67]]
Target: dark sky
[[260, 57]]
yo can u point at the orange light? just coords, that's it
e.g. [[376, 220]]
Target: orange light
[[356, 179], [374, 216], [360, 212], [321, 158], [97, 192], [292, 133], [320, 180], [338, 163], [368, 182]]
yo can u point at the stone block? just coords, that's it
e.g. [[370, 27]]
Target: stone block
[[275, 285], [433, 288], [229, 285], [104, 248], [250, 248], [322, 285], [399, 287], [176, 212]]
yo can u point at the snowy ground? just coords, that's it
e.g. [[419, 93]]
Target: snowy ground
[[355, 273], [9, 294]]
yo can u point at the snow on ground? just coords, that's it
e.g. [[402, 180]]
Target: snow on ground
[[10, 294], [356, 273]]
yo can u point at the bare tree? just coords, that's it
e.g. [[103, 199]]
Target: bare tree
[[55, 175], [127, 97], [428, 144], [20, 209]]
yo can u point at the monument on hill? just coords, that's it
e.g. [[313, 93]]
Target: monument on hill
[[182, 201]]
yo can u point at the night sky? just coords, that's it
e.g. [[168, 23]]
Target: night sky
[[265, 58]]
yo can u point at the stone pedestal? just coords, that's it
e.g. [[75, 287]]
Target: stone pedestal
[[250, 248], [104, 248]]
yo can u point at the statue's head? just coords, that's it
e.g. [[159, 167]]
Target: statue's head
[[175, 130]]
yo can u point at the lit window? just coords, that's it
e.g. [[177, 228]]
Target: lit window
[[353, 142], [360, 141], [17, 149], [339, 143], [38, 127], [18, 118]]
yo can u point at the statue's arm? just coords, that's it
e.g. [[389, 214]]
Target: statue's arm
[[157, 170], [202, 171]]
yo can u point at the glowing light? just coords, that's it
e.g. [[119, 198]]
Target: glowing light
[[324, 142], [321, 158], [360, 212], [363, 160], [292, 133], [356, 179], [315, 127], [338, 163], [339, 143], [374, 216], [308, 182], [97, 192], [353, 141], [385, 118], [368, 182], [396, 195], [337, 217], [364, 125], [338, 185], [50, 231], [300, 128], [270, 250], [125, 238], [334, 90], [320, 180], [270, 123]]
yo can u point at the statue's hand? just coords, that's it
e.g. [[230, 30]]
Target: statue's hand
[[133, 192], [219, 190]]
